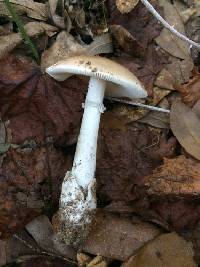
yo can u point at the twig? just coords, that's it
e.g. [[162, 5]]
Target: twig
[[39, 251], [22, 30], [167, 25], [138, 104]]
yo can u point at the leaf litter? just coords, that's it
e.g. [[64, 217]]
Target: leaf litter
[[148, 164]]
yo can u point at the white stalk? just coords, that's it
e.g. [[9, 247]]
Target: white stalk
[[85, 157], [78, 193]]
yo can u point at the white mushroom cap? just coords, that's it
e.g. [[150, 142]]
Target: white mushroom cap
[[122, 83]]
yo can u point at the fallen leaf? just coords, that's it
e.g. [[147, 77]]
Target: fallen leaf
[[156, 119], [42, 232], [180, 70], [168, 41], [190, 12], [165, 80], [185, 125], [190, 91], [31, 8], [66, 46], [125, 41], [59, 20], [46, 107], [131, 113], [2, 253], [168, 250], [139, 54], [177, 177], [9, 42], [117, 238], [42, 117], [125, 156], [125, 6], [139, 22]]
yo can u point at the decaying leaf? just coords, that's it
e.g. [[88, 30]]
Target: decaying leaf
[[140, 23], [31, 8], [165, 80], [177, 177], [44, 106], [139, 55], [190, 12], [130, 113], [185, 125], [193, 30], [37, 111], [158, 119], [168, 250], [125, 6], [125, 40], [42, 232], [59, 20], [190, 91], [117, 238], [66, 46], [168, 41], [9, 42], [180, 70]]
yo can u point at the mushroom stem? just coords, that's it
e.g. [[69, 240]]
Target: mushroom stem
[[78, 193], [84, 164]]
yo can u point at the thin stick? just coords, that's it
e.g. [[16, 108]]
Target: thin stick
[[138, 104], [167, 25]]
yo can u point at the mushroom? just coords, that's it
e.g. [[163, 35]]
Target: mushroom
[[78, 194]]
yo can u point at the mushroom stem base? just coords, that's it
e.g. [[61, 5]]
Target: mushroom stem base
[[77, 209]]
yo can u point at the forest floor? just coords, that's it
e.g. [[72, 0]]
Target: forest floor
[[148, 169]]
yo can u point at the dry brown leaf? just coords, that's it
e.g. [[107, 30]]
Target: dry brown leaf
[[177, 177], [9, 42], [185, 125], [158, 119], [31, 8], [168, 41], [130, 113], [66, 46], [125, 6], [165, 80], [37, 112], [168, 250], [190, 12], [190, 91], [117, 238], [180, 70], [42, 232], [59, 21]]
